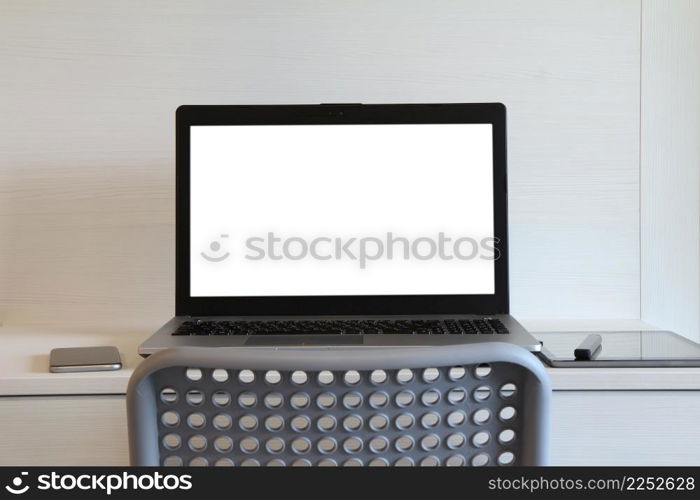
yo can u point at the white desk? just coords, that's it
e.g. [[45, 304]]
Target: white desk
[[616, 416]]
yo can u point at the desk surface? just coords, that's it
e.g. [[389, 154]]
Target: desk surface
[[24, 360]]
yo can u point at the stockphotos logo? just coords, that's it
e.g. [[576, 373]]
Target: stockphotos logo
[[217, 253], [361, 249], [17, 487], [106, 483]]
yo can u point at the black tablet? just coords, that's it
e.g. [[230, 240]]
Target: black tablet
[[652, 348]]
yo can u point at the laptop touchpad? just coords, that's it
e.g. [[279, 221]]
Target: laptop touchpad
[[282, 340]]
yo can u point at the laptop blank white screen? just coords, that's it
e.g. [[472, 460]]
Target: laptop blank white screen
[[304, 210]]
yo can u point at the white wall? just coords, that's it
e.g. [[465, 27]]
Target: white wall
[[88, 91], [670, 165]]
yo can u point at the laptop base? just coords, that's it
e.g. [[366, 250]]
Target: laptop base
[[164, 338]]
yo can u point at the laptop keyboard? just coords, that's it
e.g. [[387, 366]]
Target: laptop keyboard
[[344, 327]]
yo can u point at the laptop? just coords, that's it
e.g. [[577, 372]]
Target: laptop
[[341, 225]]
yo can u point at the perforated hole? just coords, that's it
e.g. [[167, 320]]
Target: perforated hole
[[219, 375], [455, 440], [168, 395], [275, 445], [353, 445], [482, 371], [405, 398], [197, 443], [352, 423], [246, 377], [506, 436], [224, 462], [404, 443], [326, 400], [327, 462], [481, 416], [456, 373], [249, 444], [457, 396], [430, 397], [223, 444], [247, 400], [299, 377], [405, 421], [194, 397], [273, 377], [430, 375], [430, 442], [250, 462], [222, 422], [378, 399], [404, 462], [221, 399], [173, 461], [193, 374], [352, 400], [172, 441], [430, 420], [300, 423], [378, 422], [456, 418], [430, 461], [481, 438], [353, 462], [379, 444], [507, 413], [379, 462], [248, 422], [274, 423], [301, 462], [351, 377], [196, 420], [170, 419], [326, 377], [404, 376], [507, 390], [378, 377], [327, 423], [301, 446], [480, 460], [482, 393], [198, 462], [274, 400], [327, 445], [300, 400], [275, 462], [455, 461], [506, 458]]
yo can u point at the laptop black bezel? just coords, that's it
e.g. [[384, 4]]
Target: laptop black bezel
[[190, 115]]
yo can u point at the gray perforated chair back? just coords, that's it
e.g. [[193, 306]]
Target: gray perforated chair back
[[481, 404]]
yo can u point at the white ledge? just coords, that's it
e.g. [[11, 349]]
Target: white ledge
[[24, 360]]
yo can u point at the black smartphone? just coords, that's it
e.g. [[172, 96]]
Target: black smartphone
[[84, 359]]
